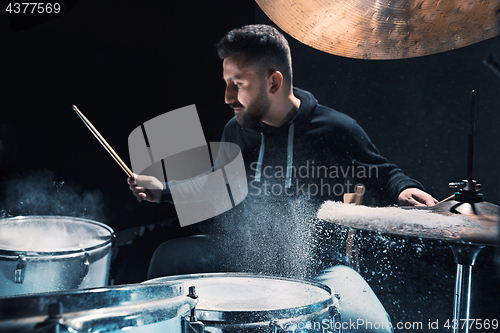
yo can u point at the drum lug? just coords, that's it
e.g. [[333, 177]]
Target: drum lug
[[334, 313], [54, 321], [84, 265], [190, 324], [19, 273], [274, 326]]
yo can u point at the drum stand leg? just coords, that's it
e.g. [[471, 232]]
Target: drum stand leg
[[465, 257]]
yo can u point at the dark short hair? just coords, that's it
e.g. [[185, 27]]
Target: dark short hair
[[263, 47]]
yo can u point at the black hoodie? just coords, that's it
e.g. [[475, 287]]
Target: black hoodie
[[321, 153]]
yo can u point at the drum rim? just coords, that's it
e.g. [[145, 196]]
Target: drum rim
[[14, 255], [247, 317], [82, 307]]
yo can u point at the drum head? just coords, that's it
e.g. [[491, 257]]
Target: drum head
[[234, 297], [52, 234]]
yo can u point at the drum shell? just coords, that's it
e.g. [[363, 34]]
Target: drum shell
[[318, 322], [319, 317], [53, 273], [171, 326], [138, 308], [25, 272]]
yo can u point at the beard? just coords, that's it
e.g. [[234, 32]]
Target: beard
[[251, 115]]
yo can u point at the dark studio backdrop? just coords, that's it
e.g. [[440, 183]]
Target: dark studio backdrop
[[125, 62]]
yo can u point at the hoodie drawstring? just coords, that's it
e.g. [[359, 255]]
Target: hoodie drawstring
[[289, 157], [261, 158]]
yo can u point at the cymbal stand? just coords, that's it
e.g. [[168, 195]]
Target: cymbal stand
[[495, 67], [465, 253], [465, 257]]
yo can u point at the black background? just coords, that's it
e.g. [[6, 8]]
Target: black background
[[125, 62]]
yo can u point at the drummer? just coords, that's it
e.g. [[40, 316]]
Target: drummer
[[275, 230]]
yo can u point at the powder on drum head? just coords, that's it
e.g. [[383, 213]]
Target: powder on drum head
[[246, 293], [49, 234]]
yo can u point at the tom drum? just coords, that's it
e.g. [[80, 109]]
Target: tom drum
[[52, 253], [241, 302], [137, 308]]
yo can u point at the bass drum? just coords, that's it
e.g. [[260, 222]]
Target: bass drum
[[137, 308], [52, 253], [241, 302]]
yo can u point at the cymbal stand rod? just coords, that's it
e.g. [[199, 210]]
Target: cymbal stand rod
[[470, 152], [461, 303], [465, 256], [468, 189]]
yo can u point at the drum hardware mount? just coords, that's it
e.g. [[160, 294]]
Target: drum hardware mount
[[274, 326], [84, 265], [468, 191], [53, 323], [190, 324], [334, 313], [19, 272]]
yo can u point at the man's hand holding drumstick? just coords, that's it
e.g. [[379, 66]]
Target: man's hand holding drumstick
[[145, 188]]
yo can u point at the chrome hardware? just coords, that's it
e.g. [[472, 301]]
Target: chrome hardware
[[84, 265], [190, 324], [19, 273]]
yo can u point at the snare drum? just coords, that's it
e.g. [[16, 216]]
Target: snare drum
[[52, 253], [135, 308], [241, 302]]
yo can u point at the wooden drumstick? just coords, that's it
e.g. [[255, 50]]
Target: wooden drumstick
[[104, 143], [451, 197]]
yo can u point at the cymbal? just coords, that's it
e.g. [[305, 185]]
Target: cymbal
[[449, 221], [385, 29]]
